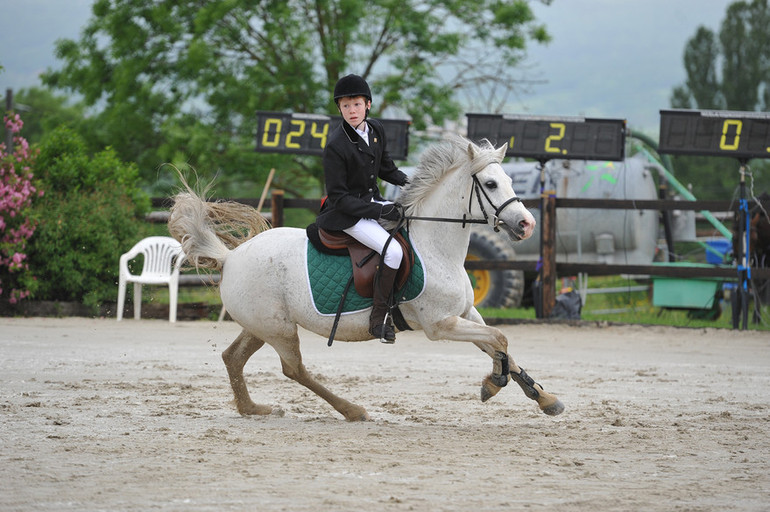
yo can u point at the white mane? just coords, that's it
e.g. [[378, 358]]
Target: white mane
[[440, 159]]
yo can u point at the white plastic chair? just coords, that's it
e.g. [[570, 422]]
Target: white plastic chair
[[163, 257]]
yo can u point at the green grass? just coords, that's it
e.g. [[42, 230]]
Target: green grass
[[208, 295], [635, 307]]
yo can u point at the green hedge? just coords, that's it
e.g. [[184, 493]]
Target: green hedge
[[92, 211]]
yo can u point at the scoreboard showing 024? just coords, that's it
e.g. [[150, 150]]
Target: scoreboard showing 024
[[306, 134], [742, 135], [546, 138]]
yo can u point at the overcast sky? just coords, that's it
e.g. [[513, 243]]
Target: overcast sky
[[608, 58]]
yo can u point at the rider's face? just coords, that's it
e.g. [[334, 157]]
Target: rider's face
[[353, 109]]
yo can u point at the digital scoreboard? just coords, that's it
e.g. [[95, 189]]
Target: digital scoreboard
[[306, 134], [742, 135], [546, 138]]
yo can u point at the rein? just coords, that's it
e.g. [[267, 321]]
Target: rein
[[475, 186]]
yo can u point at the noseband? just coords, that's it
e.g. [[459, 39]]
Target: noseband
[[479, 190]]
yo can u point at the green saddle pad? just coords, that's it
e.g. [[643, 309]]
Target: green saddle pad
[[328, 275]]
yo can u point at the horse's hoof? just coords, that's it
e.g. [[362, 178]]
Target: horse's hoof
[[252, 409], [358, 414], [554, 409], [489, 388]]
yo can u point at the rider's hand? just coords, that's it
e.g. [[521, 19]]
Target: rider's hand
[[391, 211]]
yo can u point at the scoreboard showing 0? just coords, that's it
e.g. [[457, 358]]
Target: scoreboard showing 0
[[742, 135], [546, 138], [306, 134]]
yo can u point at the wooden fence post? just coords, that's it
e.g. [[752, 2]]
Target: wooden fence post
[[277, 208], [548, 280]]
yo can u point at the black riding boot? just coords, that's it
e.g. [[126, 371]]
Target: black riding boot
[[383, 287]]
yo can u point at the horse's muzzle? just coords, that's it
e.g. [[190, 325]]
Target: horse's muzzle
[[515, 234]]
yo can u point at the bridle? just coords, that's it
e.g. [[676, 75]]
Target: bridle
[[478, 190]]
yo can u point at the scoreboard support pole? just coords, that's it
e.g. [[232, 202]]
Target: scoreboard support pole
[[741, 305]]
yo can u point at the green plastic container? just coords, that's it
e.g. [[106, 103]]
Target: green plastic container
[[685, 293]]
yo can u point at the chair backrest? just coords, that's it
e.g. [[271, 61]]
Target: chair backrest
[[159, 253]]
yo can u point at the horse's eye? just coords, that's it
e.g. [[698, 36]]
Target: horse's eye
[[491, 185]]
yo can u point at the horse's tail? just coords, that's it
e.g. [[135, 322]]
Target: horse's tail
[[208, 231]]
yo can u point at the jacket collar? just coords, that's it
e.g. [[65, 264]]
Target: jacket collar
[[356, 139]]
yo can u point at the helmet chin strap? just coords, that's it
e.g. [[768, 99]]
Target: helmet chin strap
[[366, 116]]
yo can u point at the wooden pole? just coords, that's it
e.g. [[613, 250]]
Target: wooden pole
[[548, 281], [277, 208], [264, 190]]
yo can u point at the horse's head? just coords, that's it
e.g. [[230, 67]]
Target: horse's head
[[458, 178], [494, 191]]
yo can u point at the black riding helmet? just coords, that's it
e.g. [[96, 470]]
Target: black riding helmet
[[350, 86]]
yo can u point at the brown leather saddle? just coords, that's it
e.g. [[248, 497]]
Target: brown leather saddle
[[365, 260]]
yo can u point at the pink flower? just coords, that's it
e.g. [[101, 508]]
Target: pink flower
[[16, 193]]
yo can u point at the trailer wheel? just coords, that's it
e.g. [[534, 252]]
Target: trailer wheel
[[494, 288]]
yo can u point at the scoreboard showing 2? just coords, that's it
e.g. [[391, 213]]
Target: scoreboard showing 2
[[546, 138], [742, 135], [306, 134]]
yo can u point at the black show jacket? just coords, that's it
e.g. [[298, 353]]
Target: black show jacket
[[351, 169]]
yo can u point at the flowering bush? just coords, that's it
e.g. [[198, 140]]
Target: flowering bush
[[16, 228]]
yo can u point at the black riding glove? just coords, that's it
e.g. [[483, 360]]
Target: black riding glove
[[391, 212]]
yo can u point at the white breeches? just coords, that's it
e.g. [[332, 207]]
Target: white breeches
[[371, 234]]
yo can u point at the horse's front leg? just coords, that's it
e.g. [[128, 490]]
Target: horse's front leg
[[503, 367], [498, 379]]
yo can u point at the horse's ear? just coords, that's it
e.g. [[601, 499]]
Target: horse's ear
[[501, 152], [472, 151]]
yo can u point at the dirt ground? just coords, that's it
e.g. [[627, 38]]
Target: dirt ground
[[137, 415]]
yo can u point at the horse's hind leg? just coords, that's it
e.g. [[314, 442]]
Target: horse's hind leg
[[291, 361], [235, 357]]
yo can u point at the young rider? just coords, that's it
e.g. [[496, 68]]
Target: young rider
[[354, 157]]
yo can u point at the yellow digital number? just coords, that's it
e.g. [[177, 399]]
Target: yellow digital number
[[295, 133], [736, 139], [266, 133], [510, 142], [320, 135], [555, 138]]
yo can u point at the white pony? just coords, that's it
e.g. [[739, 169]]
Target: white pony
[[264, 282]]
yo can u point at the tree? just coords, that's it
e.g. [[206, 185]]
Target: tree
[[700, 62], [183, 78], [44, 111], [731, 72]]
